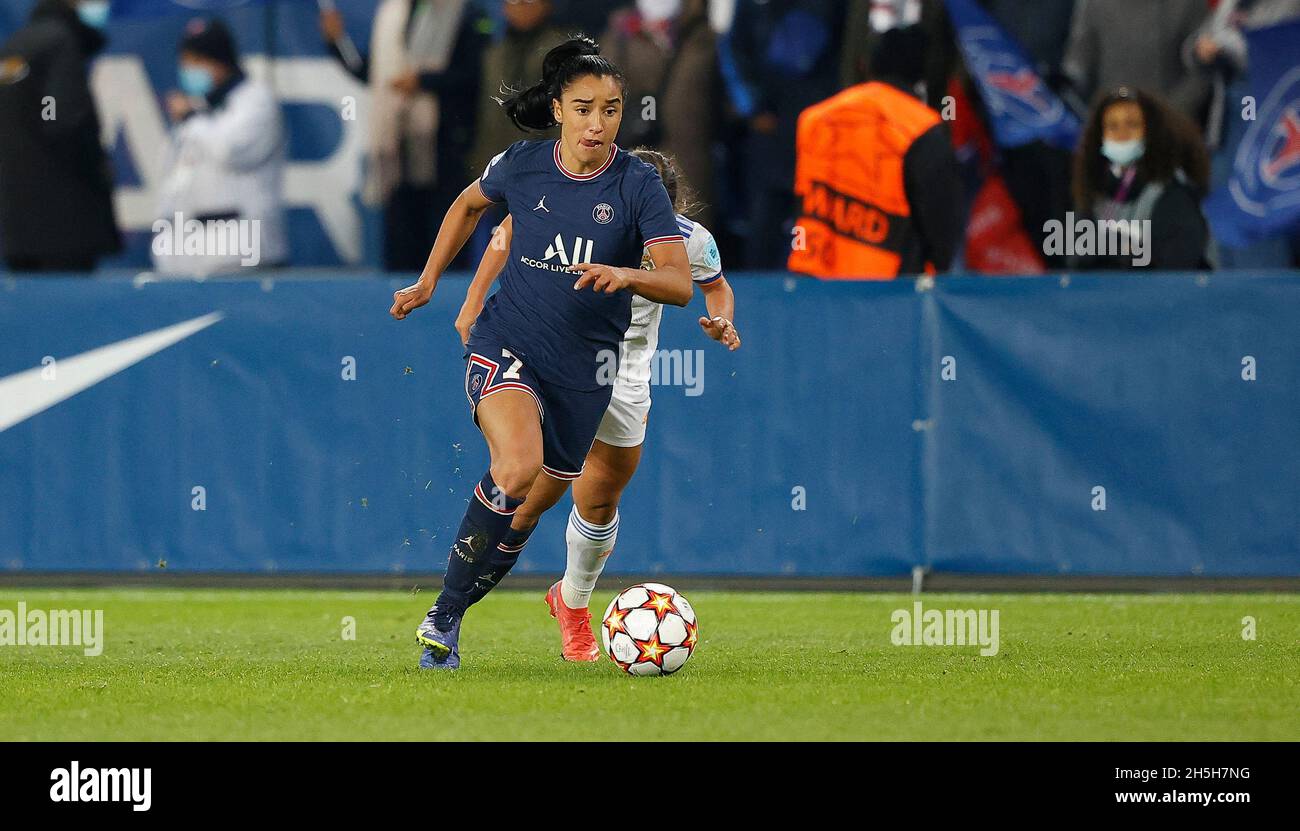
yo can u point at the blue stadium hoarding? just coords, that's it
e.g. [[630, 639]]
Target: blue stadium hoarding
[[1101, 424]]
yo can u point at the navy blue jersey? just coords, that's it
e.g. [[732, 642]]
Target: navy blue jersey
[[561, 218]]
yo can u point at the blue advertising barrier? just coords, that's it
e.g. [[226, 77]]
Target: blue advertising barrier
[[1092, 425]]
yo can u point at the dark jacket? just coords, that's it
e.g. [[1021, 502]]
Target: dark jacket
[[56, 188], [1114, 42], [932, 183], [683, 80], [1179, 235], [513, 62], [781, 57]]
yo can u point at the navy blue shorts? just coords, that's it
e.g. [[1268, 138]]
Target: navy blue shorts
[[570, 418]]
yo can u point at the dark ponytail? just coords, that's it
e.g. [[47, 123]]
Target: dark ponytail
[[530, 108]]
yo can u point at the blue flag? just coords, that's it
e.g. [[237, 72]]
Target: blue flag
[[1262, 195], [1022, 108]]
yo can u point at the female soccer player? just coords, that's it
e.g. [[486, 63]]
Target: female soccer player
[[613, 458], [582, 210]]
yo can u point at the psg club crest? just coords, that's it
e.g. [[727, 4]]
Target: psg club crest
[[1266, 168], [1016, 90], [603, 213]]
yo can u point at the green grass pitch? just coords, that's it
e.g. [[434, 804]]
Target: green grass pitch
[[268, 664]]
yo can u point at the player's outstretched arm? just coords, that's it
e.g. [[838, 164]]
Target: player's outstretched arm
[[489, 268], [457, 225], [669, 281], [721, 303]]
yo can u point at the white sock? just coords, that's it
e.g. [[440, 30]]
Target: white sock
[[589, 548]]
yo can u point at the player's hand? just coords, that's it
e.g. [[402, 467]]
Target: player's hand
[[721, 330], [468, 314], [606, 278], [408, 299]]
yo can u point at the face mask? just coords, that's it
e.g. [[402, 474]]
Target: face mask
[[1123, 153], [196, 81], [653, 11], [93, 13]]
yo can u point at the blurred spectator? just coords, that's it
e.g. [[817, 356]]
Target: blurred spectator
[[226, 159], [1141, 160], [1037, 175], [1042, 27], [585, 15], [865, 21], [423, 71], [880, 188], [512, 62], [56, 187], [1121, 42], [668, 52], [868, 19], [1218, 50], [780, 57]]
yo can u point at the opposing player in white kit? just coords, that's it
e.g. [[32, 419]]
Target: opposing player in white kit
[[616, 452]]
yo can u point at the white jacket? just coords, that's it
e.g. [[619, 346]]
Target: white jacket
[[227, 162]]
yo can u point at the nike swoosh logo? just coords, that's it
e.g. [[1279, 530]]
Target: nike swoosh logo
[[24, 394]]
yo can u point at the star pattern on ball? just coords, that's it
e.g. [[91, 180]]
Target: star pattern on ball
[[661, 603], [651, 651], [614, 622]]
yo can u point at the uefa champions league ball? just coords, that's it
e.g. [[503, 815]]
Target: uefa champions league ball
[[649, 629]]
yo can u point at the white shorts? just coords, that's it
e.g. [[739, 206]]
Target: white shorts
[[624, 421]]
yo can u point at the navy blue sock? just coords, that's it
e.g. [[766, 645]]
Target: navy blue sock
[[487, 520], [499, 562]]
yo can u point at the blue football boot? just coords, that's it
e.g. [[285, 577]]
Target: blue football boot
[[439, 634]]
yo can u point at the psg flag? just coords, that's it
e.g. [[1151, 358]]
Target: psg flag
[[1021, 107], [1262, 195]]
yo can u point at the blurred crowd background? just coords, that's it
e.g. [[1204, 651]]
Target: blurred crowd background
[[936, 135]]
